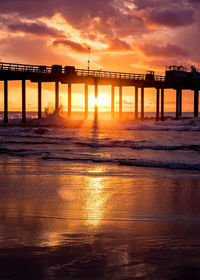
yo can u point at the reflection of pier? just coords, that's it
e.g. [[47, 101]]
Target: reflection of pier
[[177, 79]]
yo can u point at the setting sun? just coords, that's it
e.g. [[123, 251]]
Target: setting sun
[[101, 101]]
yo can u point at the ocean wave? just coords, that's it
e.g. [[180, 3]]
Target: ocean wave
[[54, 121], [144, 218], [20, 152], [171, 125], [129, 162], [138, 146], [67, 155], [87, 142]]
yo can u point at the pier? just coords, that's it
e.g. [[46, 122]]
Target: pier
[[177, 79]]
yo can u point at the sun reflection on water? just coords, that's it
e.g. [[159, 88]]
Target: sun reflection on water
[[96, 200], [85, 197]]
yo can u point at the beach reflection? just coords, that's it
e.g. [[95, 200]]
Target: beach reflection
[[96, 200], [85, 197], [97, 221]]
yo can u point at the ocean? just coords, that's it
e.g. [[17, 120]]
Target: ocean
[[100, 200]]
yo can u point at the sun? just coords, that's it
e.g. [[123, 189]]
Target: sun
[[101, 101]]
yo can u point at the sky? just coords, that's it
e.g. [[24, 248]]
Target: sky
[[131, 36]]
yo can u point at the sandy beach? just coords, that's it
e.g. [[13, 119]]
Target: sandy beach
[[97, 221]]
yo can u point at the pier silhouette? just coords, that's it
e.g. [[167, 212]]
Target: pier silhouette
[[176, 77]]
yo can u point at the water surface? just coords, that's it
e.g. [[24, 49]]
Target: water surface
[[102, 201]]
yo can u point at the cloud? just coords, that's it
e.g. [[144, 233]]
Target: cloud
[[37, 28], [29, 9], [121, 24], [97, 16], [167, 50], [145, 4], [118, 45], [72, 45], [32, 51], [169, 17]]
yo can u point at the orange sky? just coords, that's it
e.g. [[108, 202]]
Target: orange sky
[[131, 36]]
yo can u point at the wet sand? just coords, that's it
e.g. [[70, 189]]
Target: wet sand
[[69, 220]]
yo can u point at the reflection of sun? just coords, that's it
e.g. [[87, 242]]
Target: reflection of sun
[[100, 101], [96, 198], [85, 197], [94, 207]]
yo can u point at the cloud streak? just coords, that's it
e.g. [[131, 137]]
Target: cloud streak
[[36, 28], [168, 50], [72, 45]]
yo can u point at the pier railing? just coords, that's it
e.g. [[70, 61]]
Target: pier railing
[[114, 75], [24, 68], [13, 67]]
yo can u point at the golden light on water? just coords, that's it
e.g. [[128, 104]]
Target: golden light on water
[[94, 207], [87, 199]]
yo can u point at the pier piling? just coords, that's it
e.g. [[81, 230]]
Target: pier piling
[[157, 104], [142, 104], [96, 102], [86, 101], [136, 103], [162, 104], [120, 102], [23, 101], [112, 101], [196, 103], [69, 100], [180, 102], [56, 96], [5, 120], [177, 103], [39, 100]]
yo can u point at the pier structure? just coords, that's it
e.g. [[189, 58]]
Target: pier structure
[[70, 75]]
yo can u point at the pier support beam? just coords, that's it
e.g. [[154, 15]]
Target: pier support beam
[[96, 102], [86, 101], [136, 103], [180, 102], [23, 101], [56, 96], [120, 102], [157, 104], [177, 103], [39, 100], [112, 101], [142, 104], [5, 120], [69, 100], [162, 104], [196, 103]]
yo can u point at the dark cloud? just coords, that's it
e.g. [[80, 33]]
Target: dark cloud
[[118, 45], [96, 16], [29, 9], [196, 2], [171, 17], [36, 28], [106, 17], [72, 45], [145, 4], [169, 50]]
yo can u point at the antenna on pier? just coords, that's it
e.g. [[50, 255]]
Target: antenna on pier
[[89, 49]]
